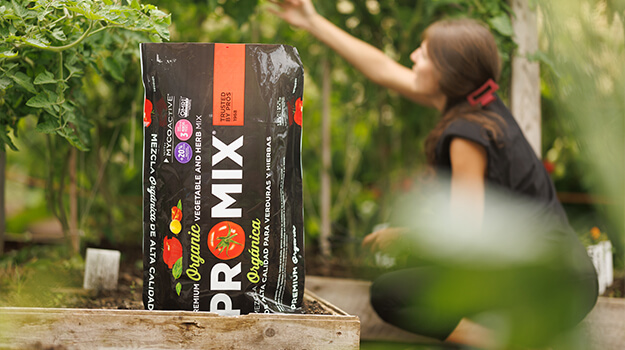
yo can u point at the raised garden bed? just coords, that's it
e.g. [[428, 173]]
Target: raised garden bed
[[140, 329]]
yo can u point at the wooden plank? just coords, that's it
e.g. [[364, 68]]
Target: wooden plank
[[525, 89], [139, 329], [584, 198], [604, 327]]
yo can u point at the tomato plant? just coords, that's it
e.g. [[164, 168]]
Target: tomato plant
[[45, 49], [50, 53], [226, 240]]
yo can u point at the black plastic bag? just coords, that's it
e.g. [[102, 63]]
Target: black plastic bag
[[223, 216]]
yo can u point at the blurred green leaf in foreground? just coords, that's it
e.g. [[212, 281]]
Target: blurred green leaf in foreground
[[583, 42]]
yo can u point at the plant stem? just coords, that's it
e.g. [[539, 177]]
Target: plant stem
[[101, 172], [73, 202], [64, 47], [60, 83], [51, 25], [104, 28], [55, 196], [50, 179], [118, 26], [29, 61], [60, 204]]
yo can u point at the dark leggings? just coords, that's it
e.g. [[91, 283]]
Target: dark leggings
[[401, 299], [535, 302]]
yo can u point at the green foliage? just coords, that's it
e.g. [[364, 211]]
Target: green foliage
[[377, 136], [239, 10], [46, 47], [71, 66], [584, 104]]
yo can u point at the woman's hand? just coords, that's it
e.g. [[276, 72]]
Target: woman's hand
[[371, 61], [383, 239], [298, 13]]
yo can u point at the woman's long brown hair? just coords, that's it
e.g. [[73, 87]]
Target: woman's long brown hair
[[465, 54]]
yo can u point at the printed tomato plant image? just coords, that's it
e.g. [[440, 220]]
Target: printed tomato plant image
[[226, 240]]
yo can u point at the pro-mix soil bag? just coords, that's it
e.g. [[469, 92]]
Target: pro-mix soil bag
[[223, 217]]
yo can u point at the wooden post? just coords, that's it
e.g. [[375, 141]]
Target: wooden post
[[525, 89], [326, 163]]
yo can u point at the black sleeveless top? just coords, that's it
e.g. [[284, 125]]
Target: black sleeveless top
[[512, 166], [514, 169]]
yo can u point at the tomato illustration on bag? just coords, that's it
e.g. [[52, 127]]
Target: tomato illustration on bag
[[298, 112], [147, 113], [226, 240], [172, 251], [176, 213]]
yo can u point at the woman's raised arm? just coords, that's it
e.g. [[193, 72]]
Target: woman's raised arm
[[371, 61]]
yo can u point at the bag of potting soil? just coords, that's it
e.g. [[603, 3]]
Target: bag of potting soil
[[223, 216]]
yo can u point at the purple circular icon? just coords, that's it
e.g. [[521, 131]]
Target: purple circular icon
[[183, 129], [183, 152]]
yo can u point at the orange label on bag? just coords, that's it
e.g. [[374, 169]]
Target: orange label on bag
[[229, 84]]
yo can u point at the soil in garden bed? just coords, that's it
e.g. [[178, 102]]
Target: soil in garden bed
[[130, 286]]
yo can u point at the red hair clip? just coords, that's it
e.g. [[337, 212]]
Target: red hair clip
[[484, 95]]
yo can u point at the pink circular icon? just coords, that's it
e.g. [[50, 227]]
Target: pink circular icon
[[184, 129]]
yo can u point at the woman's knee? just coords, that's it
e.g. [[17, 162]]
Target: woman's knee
[[381, 299]]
